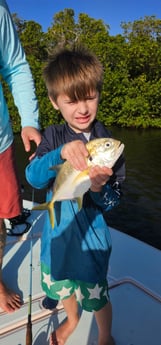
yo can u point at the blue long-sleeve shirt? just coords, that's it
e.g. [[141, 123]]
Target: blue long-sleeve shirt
[[15, 70], [79, 246]]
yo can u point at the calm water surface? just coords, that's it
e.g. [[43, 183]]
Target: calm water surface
[[139, 213]]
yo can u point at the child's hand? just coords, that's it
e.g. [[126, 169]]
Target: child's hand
[[99, 177], [75, 153]]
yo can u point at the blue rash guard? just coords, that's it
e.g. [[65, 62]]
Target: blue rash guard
[[15, 70], [79, 246]]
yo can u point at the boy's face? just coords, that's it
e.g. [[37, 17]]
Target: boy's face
[[78, 114]]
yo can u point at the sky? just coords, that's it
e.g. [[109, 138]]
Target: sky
[[112, 12]]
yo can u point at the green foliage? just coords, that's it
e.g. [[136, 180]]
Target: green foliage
[[131, 61], [63, 32]]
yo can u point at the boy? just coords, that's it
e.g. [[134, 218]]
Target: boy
[[75, 254]]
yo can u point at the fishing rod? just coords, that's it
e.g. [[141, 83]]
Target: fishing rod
[[29, 323]]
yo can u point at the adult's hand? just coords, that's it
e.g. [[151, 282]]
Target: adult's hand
[[30, 134]]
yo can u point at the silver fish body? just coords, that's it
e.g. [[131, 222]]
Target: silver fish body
[[73, 184]]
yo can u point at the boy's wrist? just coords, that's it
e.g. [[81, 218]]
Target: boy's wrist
[[95, 189]]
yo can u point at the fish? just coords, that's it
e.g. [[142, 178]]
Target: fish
[[72, 184]]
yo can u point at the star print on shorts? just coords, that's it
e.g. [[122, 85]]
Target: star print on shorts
[[91, 296]]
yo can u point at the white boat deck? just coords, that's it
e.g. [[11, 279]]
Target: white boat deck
[[135, 289]]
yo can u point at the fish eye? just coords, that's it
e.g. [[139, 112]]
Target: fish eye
[[90, 158], [108, 144]]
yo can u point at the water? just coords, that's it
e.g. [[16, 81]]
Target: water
[[139, 213]]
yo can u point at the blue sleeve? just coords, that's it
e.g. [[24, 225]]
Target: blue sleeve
[[16, 71], [109, 196], [38, 172]]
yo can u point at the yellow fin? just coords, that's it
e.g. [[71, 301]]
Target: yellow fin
[[80, 202], [49, 206], [51, 213], [81, 174], [43, 206]]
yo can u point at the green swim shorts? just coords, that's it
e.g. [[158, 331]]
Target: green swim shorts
[[91, 297]]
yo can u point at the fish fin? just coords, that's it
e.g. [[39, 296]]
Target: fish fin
[[56, 167], [49, 206], [81, 174], [79, 202], [51, 213], [43, 206]]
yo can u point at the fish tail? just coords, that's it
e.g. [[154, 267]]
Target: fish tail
[[49, 206]]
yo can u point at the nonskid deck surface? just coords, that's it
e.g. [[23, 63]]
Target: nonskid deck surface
[[135, 290]]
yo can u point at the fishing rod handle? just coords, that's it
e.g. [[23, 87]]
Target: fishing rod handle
[[29, 334]]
